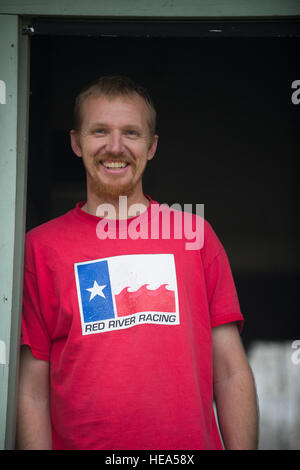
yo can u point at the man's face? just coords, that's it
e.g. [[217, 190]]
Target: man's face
[[115, 144]]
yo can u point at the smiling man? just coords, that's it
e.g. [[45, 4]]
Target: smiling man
[[127, 341], [115, 137]]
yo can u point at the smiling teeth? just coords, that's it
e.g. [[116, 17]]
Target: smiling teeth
[[114, 164]]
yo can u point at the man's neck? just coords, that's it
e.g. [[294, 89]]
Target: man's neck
[[116, 207]]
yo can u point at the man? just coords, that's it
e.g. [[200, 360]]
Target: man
[[127, 342]]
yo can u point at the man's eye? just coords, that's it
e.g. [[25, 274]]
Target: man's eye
[[131, 133], [99, 131]]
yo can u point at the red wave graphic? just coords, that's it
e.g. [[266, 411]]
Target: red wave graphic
[[144, 300]]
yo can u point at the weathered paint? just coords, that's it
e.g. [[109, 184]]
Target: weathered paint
[[13, 136], [154, 9]]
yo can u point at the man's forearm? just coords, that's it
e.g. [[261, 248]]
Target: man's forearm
[[237, 409], [33, 426]]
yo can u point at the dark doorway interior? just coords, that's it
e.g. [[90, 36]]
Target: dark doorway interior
[[229, 138]]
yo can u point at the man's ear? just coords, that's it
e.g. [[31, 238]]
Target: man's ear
[[153, 147], [75, 143]]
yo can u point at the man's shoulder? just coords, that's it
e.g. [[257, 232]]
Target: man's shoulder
[[51, 229], [188, 222], [186, 213]]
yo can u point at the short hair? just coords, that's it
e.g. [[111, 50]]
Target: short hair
[[114, 86]]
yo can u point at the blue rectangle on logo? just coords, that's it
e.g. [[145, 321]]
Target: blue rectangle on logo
[[95, 291]]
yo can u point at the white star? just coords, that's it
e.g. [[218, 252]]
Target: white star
[[96, 290]]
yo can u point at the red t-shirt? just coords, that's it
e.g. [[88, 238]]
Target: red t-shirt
[[126, 325]]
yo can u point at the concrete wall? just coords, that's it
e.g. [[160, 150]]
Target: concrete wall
[[276, 367]]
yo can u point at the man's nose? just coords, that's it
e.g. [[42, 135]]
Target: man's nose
[[115, 143]]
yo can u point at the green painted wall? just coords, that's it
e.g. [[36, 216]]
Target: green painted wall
[[8, 168], [13, 137], [154, 8]]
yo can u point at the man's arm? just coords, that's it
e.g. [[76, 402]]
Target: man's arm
[[234, 390], [33, 419]]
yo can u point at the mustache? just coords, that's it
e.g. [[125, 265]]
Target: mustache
[[114, 157]]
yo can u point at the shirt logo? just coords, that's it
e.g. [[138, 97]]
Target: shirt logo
[[125, 291]]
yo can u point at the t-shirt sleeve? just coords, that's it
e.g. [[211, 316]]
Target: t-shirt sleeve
[[34, 331], [221, 291]]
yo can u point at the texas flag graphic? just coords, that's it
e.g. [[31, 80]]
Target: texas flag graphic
[[125, 291]]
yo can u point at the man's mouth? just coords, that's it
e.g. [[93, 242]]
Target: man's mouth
[[114, 165]]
